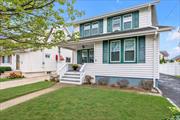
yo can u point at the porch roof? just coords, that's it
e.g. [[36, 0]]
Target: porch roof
[[150, 30]]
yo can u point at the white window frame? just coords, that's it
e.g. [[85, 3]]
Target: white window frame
[[119, 23], [119, 50], [97, 28], [88, 24], [134, 40], [128, 21]]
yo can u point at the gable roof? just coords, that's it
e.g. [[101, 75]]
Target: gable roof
[[134, 8], [176, 58], [164, 53]]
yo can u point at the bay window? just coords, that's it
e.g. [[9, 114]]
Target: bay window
[[87, 30], [116, 24], [129, 50], [127, 21], [115, 47], [95, 28]]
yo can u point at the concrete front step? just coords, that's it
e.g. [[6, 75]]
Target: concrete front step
[[71, 76]]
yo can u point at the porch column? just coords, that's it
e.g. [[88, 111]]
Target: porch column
[[74, 56]]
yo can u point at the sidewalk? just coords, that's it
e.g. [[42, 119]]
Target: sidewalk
[[24, 81], [27, 97]]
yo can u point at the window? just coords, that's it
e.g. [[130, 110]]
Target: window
[[47, 55], [129, 50], [115, 51], [87, 30], [95, 28], [127, 21], [116, 24], [91, 55], [6, 59], [68, 59], [84, 56]]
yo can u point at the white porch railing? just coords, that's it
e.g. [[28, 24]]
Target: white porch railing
[[82, 73], [62, 70]]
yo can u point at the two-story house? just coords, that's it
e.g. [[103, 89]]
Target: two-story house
[[122, 45]]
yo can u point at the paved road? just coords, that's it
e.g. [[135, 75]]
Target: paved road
[[24, 81], [170, 87]]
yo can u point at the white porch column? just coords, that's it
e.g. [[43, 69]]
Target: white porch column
[[74, 57]]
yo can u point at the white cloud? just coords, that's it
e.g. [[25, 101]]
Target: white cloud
[[175, 51], [174, 35]]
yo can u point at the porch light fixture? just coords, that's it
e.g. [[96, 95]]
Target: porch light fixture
[[83, 46]]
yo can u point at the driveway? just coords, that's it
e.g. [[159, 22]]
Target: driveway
[[170, 87]]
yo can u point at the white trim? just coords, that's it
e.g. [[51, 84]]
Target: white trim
[[124, 22], [119, 22], [119, 50], [134, 49], [96, 22]]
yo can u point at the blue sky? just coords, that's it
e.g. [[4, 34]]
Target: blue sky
[[168, 12]]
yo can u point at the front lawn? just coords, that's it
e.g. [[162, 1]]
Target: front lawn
[[86, 103], [9, 79], [10, 93]]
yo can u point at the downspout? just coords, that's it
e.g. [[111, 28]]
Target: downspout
[[154, 56]]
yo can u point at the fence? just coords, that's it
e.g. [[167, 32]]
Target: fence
[[170, 68]]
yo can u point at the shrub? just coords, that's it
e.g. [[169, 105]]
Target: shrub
[[15, 75], [75, 66], [103, 81], [123, 83], [175, 114], [3, 69], [146, 84], [113, 85], [88, 79]]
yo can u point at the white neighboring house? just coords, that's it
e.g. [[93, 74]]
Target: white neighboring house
[[122, 45], [37, 61]]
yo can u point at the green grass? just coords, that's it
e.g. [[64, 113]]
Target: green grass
[[85, 103], [9, 79], [10, 93], [178, 76]]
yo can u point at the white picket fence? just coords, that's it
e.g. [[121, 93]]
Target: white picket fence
[[170, 68]]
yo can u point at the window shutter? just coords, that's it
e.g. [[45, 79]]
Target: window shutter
[[81, 30], [109, 25], [105, 51], [100, 26], [135, 19], [141, 49], [79, 56]]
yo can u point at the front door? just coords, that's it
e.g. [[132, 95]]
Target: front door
[[17, 62], [85, 56]]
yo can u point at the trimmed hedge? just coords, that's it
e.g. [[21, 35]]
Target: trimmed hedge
[[3, 69]]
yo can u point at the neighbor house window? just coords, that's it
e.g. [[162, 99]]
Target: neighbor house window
[[116, 24], [47, 56], [6, 59], [115, 51], [127, 21], [87, 30], [129, 50], [95, 28], [68, 59]]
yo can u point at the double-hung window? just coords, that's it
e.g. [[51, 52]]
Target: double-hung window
[[6, 59], [87, 30], [115, 47], [129, 50], [95, 28], [116, 24], [127, 21]]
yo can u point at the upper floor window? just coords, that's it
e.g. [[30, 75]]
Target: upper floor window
[[115, 47], [129, 50], [127, 21], [87, 30], [95, 28], [116, 24]]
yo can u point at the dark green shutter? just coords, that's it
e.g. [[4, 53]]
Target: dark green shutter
[[81, 30], [105, 51], [79, 56], [101, 26], [135, 19], [141, 49], [109, 25]]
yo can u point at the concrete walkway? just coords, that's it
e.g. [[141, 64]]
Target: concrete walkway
[[27, 97], [24, 81]]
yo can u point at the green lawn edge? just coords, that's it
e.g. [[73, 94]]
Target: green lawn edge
[[10, 93], [9, 79]]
